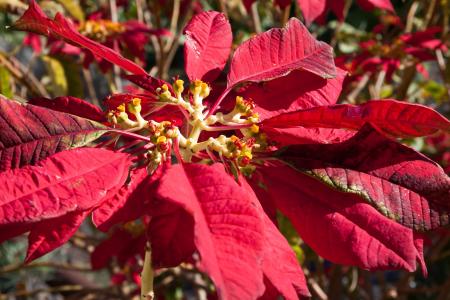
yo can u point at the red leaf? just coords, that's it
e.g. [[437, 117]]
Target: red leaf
[[340, 227], [50, 234], [248, 4], [280, 265], [34, 20], [401, 183], [390, 116], [126, 204], [122, 244], [171, 233], [278, 52], [372, 4], [228, 227], [312, 9], [71, 105], [147, 82], [301, 135], [296, 91], [31, 133], [68, 181], [207, 45]]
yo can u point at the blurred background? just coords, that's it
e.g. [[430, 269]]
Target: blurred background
[[400, 53]]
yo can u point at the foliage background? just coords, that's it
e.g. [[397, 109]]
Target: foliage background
[[66, 274]]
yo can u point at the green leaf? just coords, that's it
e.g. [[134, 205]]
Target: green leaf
[[73, 8], [5, 82], [58, 82]]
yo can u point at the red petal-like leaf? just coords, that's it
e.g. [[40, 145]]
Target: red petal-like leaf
[[301, 135], [68, 181], [147, 82], [278, 52], [207, 45], [372, 4], [248, 4], [312, 9], [122, 244], [402, 184], [286, 278], [390, 116], [228, 227], [50, 234], [280, 265], [127, 203], [34, 20], [299, 90], [171, 233], [71, 105], [341, 227], [30, 133]]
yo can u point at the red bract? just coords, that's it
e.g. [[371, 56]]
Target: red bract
[[354, 195], [386, 56], [316, 9]]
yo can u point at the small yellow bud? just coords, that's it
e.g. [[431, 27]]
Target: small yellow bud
[[161, 139], [178, 86], [234, 138], [205, 90], [121, 107], [254, 128], [164, 87], [136, 101], [135, 106]]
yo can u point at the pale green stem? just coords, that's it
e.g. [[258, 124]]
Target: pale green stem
[[147, 276]]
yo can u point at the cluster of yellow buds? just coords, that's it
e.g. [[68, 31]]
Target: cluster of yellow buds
[[119, 116], [244, 106], [200, 89], [100, 30], [164, 93], [161, 134], [240, 149]]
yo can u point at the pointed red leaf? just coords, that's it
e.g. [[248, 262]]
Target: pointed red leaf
[[372, 4], [50, 234], [341, 227], [296, 91], [207, 45], [68, 181], [122, 244], [301, 135], [147, 82], [34, 20], [71, 105], [402, 184], [278, 52], [248, 4], [171, 233], [280, 265], [312, 9], [390, 116], [228, 226], [125, 204], [286, 278], [30, 133]]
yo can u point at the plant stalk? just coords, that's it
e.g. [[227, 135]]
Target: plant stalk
[[147, 275]]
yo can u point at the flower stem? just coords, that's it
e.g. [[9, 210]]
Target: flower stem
[[147, 275], [131, 135]]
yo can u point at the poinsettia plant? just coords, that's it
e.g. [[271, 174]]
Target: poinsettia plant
[[197, 172]]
